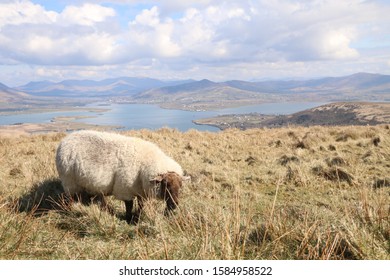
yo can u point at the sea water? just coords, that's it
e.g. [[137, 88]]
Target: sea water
[[139, 116]]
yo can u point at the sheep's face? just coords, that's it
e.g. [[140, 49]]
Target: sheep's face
[[169, 185]]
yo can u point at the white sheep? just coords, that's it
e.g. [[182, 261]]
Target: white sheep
[[101, 163]]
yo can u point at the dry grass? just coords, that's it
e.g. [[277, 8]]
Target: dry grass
[[290, 193]]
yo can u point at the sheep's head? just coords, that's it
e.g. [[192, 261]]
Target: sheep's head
[[169, 185]]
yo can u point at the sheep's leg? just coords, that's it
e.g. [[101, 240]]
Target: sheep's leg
[[137, 214], [129, 209], [82, 197], [140, 203], [103, 203], [130, 217], [70, 190]]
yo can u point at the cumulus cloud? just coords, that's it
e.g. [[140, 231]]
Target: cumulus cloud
[[190, 35], [87, 14], [17, 13], [213, 33], [153, 35], [30, 34]]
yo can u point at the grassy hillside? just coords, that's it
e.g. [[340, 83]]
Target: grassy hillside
[[287, 193], [332, 114]]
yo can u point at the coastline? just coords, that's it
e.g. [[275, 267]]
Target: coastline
[[37, 110], [332, 114], [241, 121], [57, 124], [338, 113]]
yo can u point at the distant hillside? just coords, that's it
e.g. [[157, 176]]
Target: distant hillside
[[360, 82], [341, 113], [9, 95], [14, 100], [202, 94], [206, 94], [89, 88], [355, 113]]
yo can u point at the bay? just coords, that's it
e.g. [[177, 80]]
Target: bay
[[139, 116], [43, 117]]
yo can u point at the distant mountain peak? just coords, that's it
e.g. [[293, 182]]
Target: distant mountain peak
[[359, 85], [360, 74], [90, 88], [206, 81]]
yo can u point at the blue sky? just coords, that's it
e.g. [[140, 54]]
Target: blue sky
[[214, 39], [57, 6]]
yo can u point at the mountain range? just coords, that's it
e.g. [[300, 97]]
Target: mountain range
[[10, 95], [206, 94], [359, 81], [89, 88]]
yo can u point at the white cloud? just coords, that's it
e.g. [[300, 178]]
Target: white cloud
[[24, 12], [39, 43], [188, 36], [148, 17], [87, 14], [336, 45], [30, 34], [317, 43], [152, 35]]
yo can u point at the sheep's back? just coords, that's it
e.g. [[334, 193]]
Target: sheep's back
[[87, 160], [111, 164]]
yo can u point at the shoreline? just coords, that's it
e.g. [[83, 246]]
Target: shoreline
[[240, 121], [332, 114], [338, 113], [58, 124], [64, 123], [10, 112]]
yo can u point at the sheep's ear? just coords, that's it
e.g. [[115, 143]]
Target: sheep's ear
[[156, 179]]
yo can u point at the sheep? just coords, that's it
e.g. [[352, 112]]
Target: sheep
[[103, 164]]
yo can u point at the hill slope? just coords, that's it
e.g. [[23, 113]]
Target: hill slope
[[196, 95], [206, 94], [360, 82], [89, 88], [9, 95], [286, 193], [341, 113]]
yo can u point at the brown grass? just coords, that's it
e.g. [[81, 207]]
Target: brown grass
[[289, 193]]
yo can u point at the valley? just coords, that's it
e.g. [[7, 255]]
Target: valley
[[194, 95], [204, 95]]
